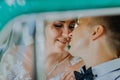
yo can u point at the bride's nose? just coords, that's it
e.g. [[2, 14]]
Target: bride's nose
[[70, 35], [65, 33]]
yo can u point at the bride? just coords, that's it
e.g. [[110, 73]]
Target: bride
[[59, 62]]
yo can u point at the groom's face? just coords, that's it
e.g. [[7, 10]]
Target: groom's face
[[80, 37]]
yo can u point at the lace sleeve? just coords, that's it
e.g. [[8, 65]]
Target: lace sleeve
[[12, 68], [18, 72]]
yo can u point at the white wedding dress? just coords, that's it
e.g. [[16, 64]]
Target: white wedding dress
[[60, 75], [14, 48], [12, 67]]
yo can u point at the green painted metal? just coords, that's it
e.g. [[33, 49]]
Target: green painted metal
[[19, 7]]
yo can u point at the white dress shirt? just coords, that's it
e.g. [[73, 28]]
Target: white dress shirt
[[107, 71]]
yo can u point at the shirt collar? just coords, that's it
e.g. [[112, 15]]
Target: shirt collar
[[106, 67]]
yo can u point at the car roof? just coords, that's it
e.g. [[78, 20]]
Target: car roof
[[12, 8]]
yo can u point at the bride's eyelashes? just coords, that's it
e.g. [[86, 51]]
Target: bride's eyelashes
[[58, 25]]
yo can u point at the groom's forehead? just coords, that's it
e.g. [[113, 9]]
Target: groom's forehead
[[85, 21], [91, 21]]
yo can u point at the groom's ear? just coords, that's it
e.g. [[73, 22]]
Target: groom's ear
[[97, 32]]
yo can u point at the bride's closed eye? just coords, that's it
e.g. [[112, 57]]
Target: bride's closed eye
[[58, 25]]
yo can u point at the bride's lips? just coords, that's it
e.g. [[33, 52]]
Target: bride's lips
[[64, 42]]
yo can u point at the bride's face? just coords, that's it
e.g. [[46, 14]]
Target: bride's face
[[57, 34]]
